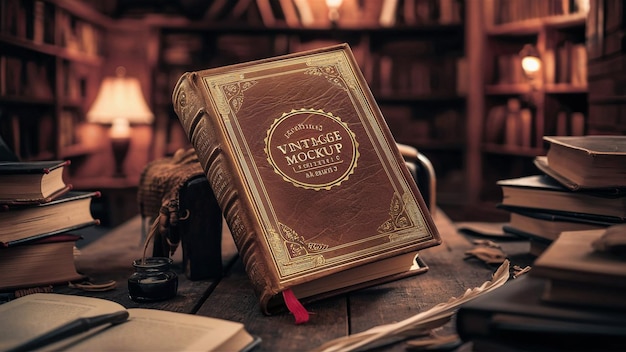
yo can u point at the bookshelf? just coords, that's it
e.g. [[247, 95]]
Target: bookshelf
[[51, 52], [607, 63], [515, 110], [413, 58]]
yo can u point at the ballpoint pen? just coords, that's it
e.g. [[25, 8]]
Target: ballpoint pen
[[72, 328]]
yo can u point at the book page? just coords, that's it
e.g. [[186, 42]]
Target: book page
[[145, 330], [35, 314], [157, 330]]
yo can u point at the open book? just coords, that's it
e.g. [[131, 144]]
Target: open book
[[145, 330]]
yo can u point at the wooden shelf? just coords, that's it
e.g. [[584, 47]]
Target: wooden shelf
[[506, 91], [411, 70], [536, 25], [49, 49]]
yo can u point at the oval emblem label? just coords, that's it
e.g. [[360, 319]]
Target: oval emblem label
[[312, 149]]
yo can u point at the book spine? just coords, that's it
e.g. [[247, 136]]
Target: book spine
[[201, 124]]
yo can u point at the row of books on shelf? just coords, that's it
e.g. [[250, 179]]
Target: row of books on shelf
[[301, 13], [33, 78], [506, 11], [421, 76], [573, 295], [40, 214], [566, 64], [410, 124], [512, 124], [39, 21], [19, 77]]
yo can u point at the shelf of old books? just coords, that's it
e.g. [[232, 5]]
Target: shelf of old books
[[520, 107], [413, 59], [49, 54]]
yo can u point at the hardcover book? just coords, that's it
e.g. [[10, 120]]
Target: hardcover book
[[27, 222], [514, 314], [544, 193], [550, 225], [40, 262], [32, 182], [579, 274], [311, 183], [586, 162]]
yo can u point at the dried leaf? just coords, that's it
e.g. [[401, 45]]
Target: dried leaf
[[488, 243], [488, 255]]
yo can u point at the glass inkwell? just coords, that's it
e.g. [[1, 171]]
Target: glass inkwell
[[153, 280]]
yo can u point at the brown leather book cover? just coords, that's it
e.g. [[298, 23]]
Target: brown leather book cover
[[305, 170]]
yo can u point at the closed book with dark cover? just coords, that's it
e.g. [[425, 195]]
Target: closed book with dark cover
[[563, 216], [580, 274], [586, 162], [24, 223], [545, 193], [550, 224], [39, 262], [307, 174], [515, 314], [32, 182]]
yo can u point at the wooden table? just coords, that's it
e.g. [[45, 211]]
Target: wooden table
[[232, 297]]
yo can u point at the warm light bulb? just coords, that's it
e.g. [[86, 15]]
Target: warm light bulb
[[333, 3], [120, 128], [333, 10], [531, 64]]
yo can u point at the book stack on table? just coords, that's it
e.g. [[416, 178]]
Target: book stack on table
[[582, 187], [571, 299], [38, 212], [573, 296]]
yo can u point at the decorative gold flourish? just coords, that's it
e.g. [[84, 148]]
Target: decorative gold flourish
[[399, 218], [234, 93], [330, 72], [296, 245]]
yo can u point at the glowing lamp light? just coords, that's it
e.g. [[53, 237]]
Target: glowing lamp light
[[120, 103]]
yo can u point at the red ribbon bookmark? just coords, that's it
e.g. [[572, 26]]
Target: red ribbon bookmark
[[295, 307]]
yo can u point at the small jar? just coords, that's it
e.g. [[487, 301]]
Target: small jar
[[153, 280]]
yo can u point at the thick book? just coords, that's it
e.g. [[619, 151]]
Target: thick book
[[32, 182], [145, 329], [307, 174], [537, 244], [579, 274], [515, 314], [546, 194], [41, 262], [550, 224], [24, 223], [586, 162]]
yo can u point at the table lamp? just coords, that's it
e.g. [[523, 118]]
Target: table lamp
[[120, 103], [333, 11]]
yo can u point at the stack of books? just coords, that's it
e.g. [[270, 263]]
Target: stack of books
[[582, 187], [571, 299], [38, 212]]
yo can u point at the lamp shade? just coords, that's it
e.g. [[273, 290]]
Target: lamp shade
[[120, 97]]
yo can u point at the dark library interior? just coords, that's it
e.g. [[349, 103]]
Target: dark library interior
[[509, 114], [448, 76]]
